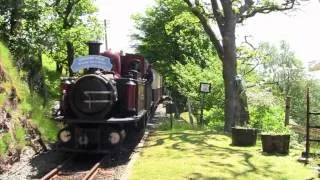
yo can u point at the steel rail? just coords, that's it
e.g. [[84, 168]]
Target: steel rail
[[56, 170], [93, 171]]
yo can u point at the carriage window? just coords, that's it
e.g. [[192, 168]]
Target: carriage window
[[134, 65]]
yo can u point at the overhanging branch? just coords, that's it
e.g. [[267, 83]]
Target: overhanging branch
[[250, 10], [207, 28], [247, 4], [217, 14]]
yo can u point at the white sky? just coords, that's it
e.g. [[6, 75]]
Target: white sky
[[301, 28], [120, 25]]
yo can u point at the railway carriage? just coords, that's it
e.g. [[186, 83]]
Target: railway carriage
[[110, 97]]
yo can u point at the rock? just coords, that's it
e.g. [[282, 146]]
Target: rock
[[23, 121], [13, 98], [8, 115], [13, 155], [3, 165], [3, 75], [2, 90], [27, 153]]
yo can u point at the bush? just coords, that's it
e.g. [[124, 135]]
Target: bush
[[268, 119]]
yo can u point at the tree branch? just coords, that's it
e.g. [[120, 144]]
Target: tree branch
[[247, 42], [68, 11], [247, 4], [250, 11], [217, 14], [253, 68], [207, 28], [262, 84]]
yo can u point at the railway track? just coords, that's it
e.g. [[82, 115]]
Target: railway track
[[94, 167], [110, 166], [76, 167]]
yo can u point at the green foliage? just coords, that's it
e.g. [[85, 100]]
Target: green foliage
[[280, 67], [2, 98], [12, 73], [188, 79], [185, 116], [52, 78], [30, 103], [214, 118], [5, 140], [269, 119], [266, 111], [42, 119], [77, 26], [35, 27], [171, 34], [172, 38], [177, 124], [275, 73], [20, 136]]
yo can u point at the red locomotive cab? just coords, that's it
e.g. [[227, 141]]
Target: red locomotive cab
[[115, 60], [131, 87]]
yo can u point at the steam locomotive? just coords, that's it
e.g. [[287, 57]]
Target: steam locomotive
[[112, 96]]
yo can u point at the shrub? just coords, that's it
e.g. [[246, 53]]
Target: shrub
[[268, 119]]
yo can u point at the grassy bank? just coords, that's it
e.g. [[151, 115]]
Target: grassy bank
[[30, 104], [201, 154]]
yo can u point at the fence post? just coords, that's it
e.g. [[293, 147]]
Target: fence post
[[169, 110], [201, 111], [308, 126], [171, 119], [189, 111]]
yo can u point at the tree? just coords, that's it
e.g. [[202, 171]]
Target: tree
[[281, 67], [10, 11], [226, 14], [173, 40], [32, 28], [72, 26], [171, 34]]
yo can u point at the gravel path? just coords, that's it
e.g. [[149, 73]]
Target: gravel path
[[33, 166]]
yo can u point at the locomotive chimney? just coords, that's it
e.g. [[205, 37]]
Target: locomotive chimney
[[94, 47]]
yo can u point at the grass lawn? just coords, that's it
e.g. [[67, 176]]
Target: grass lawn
[[195, 154]]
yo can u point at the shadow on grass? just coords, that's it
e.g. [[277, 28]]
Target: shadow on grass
[[235, 161]]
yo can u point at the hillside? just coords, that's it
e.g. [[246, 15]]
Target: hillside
[[24, 117]]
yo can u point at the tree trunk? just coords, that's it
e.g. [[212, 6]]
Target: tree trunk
[[58, 68], [40, 59], [70, 52], [232, 101], [13, 21]]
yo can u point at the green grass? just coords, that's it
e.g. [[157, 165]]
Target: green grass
[[185, 116], [52, 78], [20, 136], [191, 154], [30, 103], [177, 124], [5, 140]]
